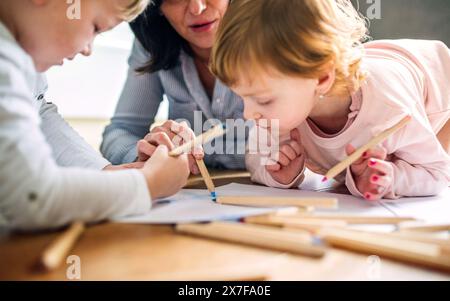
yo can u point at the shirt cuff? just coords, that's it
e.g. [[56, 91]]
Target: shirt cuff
[[100, 164], [143, 200], [131, 156]]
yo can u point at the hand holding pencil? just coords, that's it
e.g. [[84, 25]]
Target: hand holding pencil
[[171, 134], [372, 173], [374, 176]]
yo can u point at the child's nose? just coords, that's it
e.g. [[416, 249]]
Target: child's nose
[[197, 7]]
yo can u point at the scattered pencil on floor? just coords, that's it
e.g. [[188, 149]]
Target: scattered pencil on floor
[[415, 252], [425, 227], [349, 219], [312, 226], [258, 236], [359, 152]]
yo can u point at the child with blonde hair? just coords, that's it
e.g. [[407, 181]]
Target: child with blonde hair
[[304, 63], [48, 175]]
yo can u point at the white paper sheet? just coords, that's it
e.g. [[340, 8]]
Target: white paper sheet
[[193, 205], [348, 204], [434, 209]]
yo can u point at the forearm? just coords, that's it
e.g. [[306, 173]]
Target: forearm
[[119, 145], [410, 180], [63, 195], [68, 147], [135, 112]]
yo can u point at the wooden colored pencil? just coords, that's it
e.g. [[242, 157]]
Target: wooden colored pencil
[[333, 172], [213, 133], [352, 219], [288, 223], [414, 252], [58, 250], [262, 201], [207, 178], [422, 237], [425, 228], [259, 236]]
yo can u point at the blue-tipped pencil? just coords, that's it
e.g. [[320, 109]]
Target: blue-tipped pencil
[[216, 131], [207, 178]]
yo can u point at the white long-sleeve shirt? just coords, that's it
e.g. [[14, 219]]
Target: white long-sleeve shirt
[[48, 175]]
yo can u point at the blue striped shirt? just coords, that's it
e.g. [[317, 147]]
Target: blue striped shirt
[[142, 95]]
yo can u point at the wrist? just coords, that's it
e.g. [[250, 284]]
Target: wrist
[[108, 167], [152, 184]]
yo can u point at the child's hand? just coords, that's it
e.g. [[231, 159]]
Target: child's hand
[[169, 133], [372, 174], [134, 165], [165, 175], [290, 162]]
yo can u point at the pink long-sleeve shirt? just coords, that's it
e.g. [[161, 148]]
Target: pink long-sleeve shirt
[[405, 77]]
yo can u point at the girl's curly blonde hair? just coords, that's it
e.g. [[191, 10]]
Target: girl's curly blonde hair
[[134, 9], [296, 37]]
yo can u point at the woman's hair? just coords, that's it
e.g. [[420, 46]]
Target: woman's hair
[[134, 9], [159, 38], [295, 37]]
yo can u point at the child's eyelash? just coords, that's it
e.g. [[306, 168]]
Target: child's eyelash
[[265, 103]]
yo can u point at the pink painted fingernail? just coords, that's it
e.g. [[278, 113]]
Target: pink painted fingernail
[[375, 178], [372, 162], [368, 196]]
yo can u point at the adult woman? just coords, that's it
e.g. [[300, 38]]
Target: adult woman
[[171, 54]]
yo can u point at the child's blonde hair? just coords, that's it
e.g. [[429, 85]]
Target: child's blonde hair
[[296, 37], [134, 9]]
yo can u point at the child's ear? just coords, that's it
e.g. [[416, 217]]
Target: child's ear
[[326, 79]]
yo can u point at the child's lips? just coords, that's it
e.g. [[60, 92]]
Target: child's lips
[[202, 27]]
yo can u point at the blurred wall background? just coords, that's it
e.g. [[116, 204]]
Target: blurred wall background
[[414, 19]]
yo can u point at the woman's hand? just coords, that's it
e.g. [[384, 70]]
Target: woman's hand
[[290, 161], [373, 175], [165, 175], [171, 134]]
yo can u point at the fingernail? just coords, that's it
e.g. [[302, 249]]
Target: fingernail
[[375, 178], [368, 196], [372, 162]]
